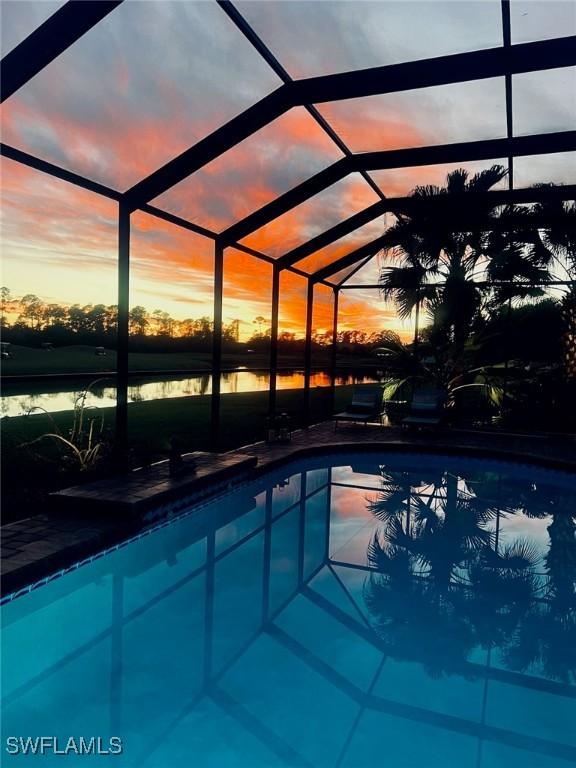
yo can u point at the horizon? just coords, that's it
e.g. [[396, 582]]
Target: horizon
[[248, 328]]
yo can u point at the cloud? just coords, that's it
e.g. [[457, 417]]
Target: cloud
[[345, 245], [443, 114], [254, 172], [143, 85], [319, 38], [312, 217], [366, 310], [153, 78]]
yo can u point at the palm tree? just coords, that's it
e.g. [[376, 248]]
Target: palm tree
[[452, 237], [440, 585], [441, 240], [546, 638], [559, 242], [438, 524], [448, 245]]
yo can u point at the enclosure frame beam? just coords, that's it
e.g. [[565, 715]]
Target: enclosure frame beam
[[308, 349], [60, 30], [334, 350], [394, 205], [507, 42], [486, 149], [123, 336], [43, 166], [215, 404], [249, 33], [478, 284], [336, 232], [405, 205], [275, 306], [357, 268], [76, 17], [512, 223], [412, 75]]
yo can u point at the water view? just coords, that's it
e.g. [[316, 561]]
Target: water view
[[343, 612], [103, 394]]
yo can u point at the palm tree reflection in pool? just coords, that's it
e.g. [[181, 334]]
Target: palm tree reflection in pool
[[444, 584]]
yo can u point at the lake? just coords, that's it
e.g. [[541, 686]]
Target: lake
[[61, 397]]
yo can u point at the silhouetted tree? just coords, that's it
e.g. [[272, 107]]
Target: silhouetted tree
[[139, 320], [32, 309], [5, 298], [559, 240]]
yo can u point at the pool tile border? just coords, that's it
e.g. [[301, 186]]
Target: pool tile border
[[176, 514], [76, 542]]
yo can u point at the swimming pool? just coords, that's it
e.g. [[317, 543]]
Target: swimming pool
[[399, 610]]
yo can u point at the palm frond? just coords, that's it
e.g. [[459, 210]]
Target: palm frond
[[484, 180], [388, 559], [520, 555]]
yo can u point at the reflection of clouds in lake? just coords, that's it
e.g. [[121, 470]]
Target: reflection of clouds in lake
[[54, 401], [19, 405], [192, 386]]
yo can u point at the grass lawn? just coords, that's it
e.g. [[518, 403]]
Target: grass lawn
[[83, 359]]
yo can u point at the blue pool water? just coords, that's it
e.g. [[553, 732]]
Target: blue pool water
[[355, 611]]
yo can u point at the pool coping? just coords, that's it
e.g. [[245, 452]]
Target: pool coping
[[53, 543], [395, 446]]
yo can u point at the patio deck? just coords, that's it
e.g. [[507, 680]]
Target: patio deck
[[553, 451], [85, 519]]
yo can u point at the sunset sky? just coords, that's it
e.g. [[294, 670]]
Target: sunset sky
[[155, 76]]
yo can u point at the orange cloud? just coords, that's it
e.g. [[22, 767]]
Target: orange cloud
[[171, 267], [366, 310], [54, 220], [345, 245], [367, 125], [120, 103], [141, 87], [314, 216], [323, 314], [292, 310], [349, 502], [254, 172], [61, 243]]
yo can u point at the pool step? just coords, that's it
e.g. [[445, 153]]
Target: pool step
[[148, 494]]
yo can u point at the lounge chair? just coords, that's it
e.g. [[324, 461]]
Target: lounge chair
[[426, 408], [366, 406]]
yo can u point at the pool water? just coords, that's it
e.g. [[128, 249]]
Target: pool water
[[352, 610]]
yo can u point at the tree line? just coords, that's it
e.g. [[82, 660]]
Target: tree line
[[29, 320]]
